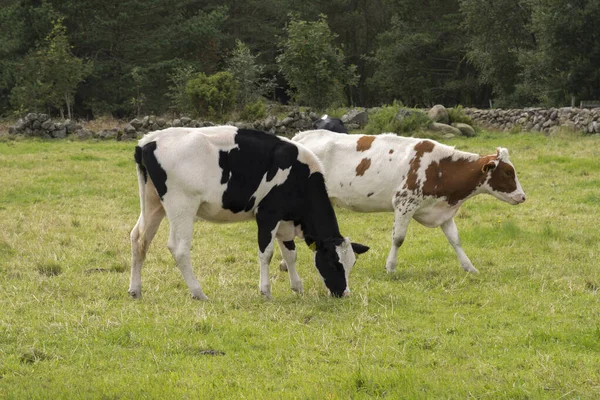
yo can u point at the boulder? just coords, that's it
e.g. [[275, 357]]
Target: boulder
[[108, 134], [60, 133], [136, 123], [48, 125], [444, 129], [287, 121], [83, 134], [356, 116], [438, 113], [465, 129], [270, 122], [129, 129], [185, 121]]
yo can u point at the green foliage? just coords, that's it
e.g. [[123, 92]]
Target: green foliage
[[179, 79], [254, 111], [140, 98], [312, 65], [336, 112], [420, 59], [556, 69], [248, 75], [396, 119], [457, 114], [50, 74], [213, 95], [497, 34]]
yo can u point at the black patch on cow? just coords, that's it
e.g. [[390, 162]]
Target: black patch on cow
[[330, 124], [140, 162], [243, 167], [290, 245], [370, 194], [224, 166], [301, 198], [156, 172]]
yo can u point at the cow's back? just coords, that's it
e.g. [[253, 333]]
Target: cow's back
[[362, 172]]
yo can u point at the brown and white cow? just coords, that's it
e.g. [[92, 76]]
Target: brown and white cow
[[415, 178]]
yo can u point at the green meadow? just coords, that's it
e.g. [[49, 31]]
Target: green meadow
[[526, 327]]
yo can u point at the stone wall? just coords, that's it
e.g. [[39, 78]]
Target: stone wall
[[294, 120], [538, 119]]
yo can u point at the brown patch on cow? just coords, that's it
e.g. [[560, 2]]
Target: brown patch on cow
[[503, 178], [421, 148], [454, 180], [364, 165], [364, 143], [391, 151]]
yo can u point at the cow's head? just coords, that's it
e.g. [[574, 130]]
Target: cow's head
[[501, 178], [334, 258]]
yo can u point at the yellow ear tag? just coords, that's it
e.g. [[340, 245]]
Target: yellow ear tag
[[313, 246]]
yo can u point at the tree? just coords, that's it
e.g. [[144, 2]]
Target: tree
[[313, 66], [248, 74], [24, 23], [565, 63], [420, 60], [50, 74], [497, 34]]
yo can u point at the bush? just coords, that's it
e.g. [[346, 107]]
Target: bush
[[457, 114], [212, 96], [254, 111], [396, 119]]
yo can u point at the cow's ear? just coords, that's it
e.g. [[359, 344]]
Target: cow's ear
[[489, 166], [359, 248]]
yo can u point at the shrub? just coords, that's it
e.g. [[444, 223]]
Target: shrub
[[457, 114], [396, 119], [254, 111], [213, 95]]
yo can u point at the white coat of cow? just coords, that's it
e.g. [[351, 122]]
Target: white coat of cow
[[414, 178]]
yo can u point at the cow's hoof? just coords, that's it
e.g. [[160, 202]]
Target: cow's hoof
[[283, 266], [471, 269], [198, 295], [298, 289], [202, 297], [266, 295], [135, 294]]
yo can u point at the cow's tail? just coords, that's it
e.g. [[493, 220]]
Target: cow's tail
[[142, 174]]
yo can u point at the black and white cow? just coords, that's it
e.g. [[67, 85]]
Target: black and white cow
[[415, 178], [226, 174], [331, 124]]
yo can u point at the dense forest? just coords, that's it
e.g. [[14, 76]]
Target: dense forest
[[86, 58]]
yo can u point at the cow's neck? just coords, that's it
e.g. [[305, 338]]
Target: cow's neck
[[456, 179], [319, 219]]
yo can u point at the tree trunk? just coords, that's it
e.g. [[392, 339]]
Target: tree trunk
[[68, 103]]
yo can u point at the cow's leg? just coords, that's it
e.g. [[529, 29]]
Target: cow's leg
[[285, 238], [141, 236], [181, 212], [403, 212], [451, 231], [267, 228]]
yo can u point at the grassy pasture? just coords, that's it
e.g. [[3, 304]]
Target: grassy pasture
[[527, 326]]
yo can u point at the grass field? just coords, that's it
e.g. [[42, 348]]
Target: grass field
[[527, 326]]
